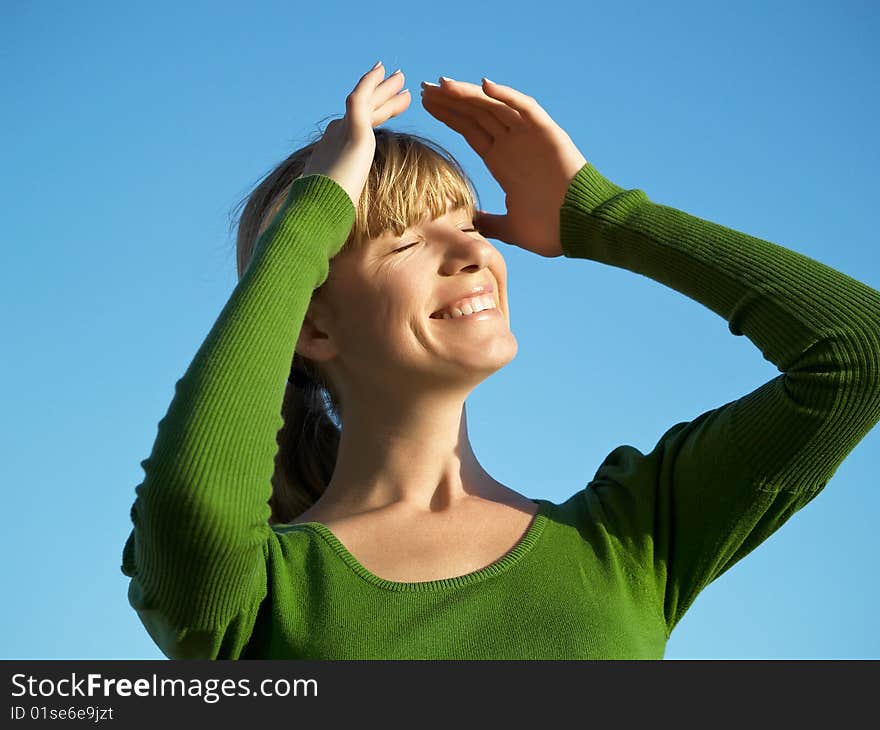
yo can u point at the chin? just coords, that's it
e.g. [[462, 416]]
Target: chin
[[499, 353]]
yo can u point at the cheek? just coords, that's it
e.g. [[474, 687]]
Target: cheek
[[371, 320], [499, 271], [393, 318]]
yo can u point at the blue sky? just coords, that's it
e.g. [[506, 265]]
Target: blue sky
[[132, 129]]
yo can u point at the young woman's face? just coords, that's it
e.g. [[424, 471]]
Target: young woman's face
[[379, 300]]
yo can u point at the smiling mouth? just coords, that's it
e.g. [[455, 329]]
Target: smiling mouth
[[469, 306], [490, 313]]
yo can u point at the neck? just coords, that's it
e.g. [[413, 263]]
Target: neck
[[417, 455]]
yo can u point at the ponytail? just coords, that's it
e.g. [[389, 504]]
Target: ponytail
[[307, 443]]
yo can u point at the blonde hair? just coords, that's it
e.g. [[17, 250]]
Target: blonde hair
[[410, 175]]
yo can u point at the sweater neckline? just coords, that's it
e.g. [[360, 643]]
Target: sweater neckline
[[506, 561]]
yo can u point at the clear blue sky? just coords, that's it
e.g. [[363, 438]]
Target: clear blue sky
[[130, 130]]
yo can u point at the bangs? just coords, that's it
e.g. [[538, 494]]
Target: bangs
[[411, 177]]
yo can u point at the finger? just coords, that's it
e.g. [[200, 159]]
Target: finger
[[388, 88], [370, 79], [491, 225], [485, 119], [527, 106], [477, 137], [356, 102], [473, 95], [488, 121], [391, 108]]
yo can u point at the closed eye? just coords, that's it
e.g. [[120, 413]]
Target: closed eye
[[409, 245]]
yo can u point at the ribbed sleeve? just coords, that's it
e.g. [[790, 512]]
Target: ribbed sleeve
[[715, 487], [609, 573], [197, 553]]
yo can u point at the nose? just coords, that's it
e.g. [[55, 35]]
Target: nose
[[466, 252]]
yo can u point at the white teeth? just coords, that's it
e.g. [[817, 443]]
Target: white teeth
[[475, 304]]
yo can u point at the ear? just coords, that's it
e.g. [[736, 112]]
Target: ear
[[314, 340]]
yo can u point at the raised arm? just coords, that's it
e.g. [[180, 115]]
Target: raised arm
[[715, 487], [820, 327], [197, 553]]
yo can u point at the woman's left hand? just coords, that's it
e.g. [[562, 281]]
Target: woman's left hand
[[530, 156]]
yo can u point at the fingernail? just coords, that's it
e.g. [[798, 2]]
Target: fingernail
[[486, 78], [443, 78], [378, 63], [428, 83], [394, 73]]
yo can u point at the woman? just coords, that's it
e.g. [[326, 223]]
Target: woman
[[263, 531]]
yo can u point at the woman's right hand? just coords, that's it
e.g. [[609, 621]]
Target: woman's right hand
[[346, 149]]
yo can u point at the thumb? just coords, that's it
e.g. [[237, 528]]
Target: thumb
[[491, 225]]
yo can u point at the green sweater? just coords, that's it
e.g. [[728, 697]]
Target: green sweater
[[607, 573]]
